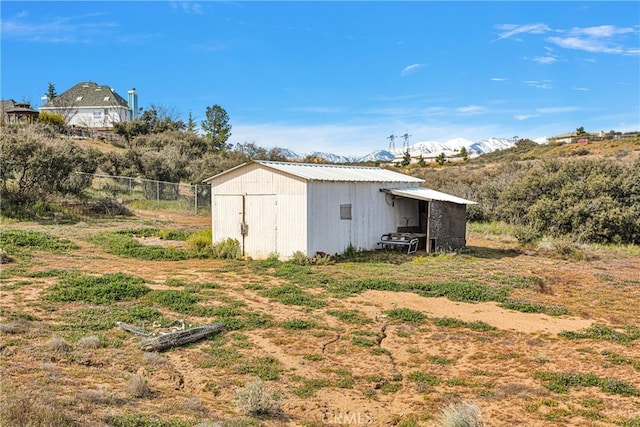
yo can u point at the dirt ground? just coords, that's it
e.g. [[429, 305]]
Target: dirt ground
[[334, 372]]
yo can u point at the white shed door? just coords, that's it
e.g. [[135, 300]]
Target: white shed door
[[227, 217], [261, 233]]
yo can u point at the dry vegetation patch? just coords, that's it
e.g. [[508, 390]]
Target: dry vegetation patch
[[379, 339]]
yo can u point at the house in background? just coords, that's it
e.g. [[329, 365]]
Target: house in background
[[281, 208], [17, 112], [92, 106]]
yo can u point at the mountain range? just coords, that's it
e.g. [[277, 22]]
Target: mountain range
[[427, 149]]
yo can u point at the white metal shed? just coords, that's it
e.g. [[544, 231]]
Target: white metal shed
[[280, 208]]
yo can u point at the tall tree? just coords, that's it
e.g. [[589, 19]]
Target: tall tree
[[191, 124], [51, 91], [217, 127]]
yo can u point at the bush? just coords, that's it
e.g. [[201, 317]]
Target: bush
[[406, 315], [138, 387], [35, 169], [99, 289], [254, 399], [227, 249], [200, 240], [462, 414]]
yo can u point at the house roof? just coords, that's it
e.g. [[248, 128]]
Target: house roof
[[87, 94], [337, 173], [7, 104], [429, 195]]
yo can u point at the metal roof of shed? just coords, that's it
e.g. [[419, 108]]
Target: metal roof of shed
[[338, 173], [428, 195]]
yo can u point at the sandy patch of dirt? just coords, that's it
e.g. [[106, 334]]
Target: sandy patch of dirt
[[489, 312]]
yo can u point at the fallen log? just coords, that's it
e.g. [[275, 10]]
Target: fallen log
[[179, 338]]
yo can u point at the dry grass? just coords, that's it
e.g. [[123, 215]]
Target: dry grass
[[139, 387], [58, 345], [256, 399], [312, 354], [90, 342]]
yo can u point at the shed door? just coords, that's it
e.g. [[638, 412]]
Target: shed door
[[261, 237], [227, 217]]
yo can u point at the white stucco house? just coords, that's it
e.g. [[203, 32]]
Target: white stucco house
[[281, 208], [89, 105]]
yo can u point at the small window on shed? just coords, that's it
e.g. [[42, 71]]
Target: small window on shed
[[345, 211]]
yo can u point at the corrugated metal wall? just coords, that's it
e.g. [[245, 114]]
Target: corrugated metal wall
[[274, 211], [373, 214]]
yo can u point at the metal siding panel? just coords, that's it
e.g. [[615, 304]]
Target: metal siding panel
[[261, 215], [226, 217], [371, 216]]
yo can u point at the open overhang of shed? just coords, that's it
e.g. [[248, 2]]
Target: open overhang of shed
[[427, 195]]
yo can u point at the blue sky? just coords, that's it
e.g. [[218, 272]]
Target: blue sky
[[342, 76]]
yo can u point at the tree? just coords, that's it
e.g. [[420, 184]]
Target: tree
[[580, 131], [51, 92], [406, 158], [464, 154], [440, 159], [191, 124], [217, 127]]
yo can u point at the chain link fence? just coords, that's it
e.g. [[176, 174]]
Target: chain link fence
[[148, 193]]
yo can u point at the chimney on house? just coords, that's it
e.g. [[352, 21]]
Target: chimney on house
[[133, 104]]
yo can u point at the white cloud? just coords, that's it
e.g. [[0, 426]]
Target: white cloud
[[521, 117], [545, 60], [498, 79], [582, 89], [601, 39], [71, 29], [540, 84], [411, 69], [554, 110], [511, 30], [470, 109]]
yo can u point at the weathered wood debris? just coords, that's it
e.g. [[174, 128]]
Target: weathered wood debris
[[173, 339]]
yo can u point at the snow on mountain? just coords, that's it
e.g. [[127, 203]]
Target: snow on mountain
[[450, 148], [377, 156], [490, 144], [291, 155], [457, 143], [333, 158]]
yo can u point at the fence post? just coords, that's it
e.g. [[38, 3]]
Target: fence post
[[195, 198], [158, 194]]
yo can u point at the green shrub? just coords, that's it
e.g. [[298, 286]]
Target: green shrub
[[450, 322], [353, 317], [533, 307], [200, 240], [99, 289], [17, 242], [298, 324], [561, 382], [603, 332], [178, 301], [406, 315], [124, 245], [227, 249], [310, 386], [266, 368], [292, 295]]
